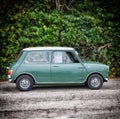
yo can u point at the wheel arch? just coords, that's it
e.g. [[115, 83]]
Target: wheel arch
[[93, 74], [28, 74]]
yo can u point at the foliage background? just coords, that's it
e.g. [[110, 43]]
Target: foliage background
[[92, 27]]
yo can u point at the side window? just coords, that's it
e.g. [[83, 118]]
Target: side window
[[57, 57], [37, 57], [63, 57]]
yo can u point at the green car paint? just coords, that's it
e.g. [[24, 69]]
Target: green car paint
[[94, 67], [54, 65]]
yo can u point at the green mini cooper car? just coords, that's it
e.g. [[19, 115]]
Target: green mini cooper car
[[55, 66]]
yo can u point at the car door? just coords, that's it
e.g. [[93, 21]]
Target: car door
[[65, 68], [37, 64]]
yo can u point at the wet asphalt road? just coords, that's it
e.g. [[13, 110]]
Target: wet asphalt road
[[71, 102]]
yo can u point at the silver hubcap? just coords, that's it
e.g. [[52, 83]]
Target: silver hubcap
[[24, 83], [95, 82]]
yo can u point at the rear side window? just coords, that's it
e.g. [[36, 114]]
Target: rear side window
[[37, 57]]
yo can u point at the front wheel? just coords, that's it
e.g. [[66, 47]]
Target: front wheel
[[24, 83], [95, 81]]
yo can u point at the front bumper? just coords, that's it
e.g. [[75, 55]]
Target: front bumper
[[106, 79]]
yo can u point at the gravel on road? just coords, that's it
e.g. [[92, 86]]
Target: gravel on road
[[62, 102]]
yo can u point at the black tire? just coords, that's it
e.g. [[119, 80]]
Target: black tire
[[24, 83], [95, 81]]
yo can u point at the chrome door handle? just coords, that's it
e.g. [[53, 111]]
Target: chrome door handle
[[55, 66], [80, 67]]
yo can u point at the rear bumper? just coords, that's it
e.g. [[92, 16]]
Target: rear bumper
[[10, 80]]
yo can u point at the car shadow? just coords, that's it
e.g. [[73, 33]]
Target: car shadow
[[11, 87], [53, 87], [6, 87]]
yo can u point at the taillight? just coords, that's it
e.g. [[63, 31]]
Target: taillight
[[9, 73]]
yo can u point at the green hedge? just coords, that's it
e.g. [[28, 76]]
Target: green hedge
[[86, 26]]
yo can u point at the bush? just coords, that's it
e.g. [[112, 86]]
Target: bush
[[85, 26]]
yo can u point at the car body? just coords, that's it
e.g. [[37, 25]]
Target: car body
[[55, 66]]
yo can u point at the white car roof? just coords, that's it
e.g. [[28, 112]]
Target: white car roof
[[47, 48]]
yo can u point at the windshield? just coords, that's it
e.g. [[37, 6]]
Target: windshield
[[76, 52]]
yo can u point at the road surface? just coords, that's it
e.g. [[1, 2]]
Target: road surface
[[71, 102]]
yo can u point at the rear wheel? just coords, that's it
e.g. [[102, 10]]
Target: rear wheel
[[95, 81], [24, 83]]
